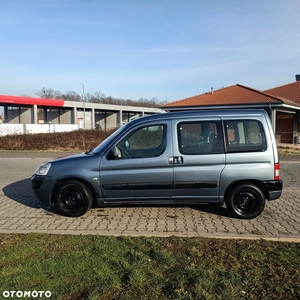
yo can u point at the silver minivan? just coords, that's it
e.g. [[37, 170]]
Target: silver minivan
[[216, 156]]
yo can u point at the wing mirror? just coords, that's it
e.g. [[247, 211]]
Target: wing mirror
[[116, 153]]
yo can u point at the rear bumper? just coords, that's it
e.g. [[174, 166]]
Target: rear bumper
[[274, 188]]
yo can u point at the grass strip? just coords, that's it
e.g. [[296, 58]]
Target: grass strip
[[101, 267]]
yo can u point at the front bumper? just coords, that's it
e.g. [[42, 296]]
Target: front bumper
[[42, 187]]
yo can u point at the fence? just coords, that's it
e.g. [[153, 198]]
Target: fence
[[287, 137], [6, 129]]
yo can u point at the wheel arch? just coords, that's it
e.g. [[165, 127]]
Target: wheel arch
[[64, 180], [258, 183]]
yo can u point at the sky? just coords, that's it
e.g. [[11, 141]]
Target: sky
[[132, 49]]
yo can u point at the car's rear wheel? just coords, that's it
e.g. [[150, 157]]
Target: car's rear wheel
[[73, 198], [245, 201]]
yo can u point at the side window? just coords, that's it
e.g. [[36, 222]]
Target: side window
[[244, 135], [201, 137], [148, 141]]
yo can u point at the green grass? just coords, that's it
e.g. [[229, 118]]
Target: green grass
[[95, 267]]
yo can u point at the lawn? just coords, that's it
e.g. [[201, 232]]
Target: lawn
[[101, 267], [94, 267]]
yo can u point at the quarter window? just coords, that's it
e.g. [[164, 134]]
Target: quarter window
[[201, 137], [244, 135]]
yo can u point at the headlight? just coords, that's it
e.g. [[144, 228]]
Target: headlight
[[43, 169]]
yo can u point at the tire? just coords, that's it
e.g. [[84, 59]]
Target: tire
[[246, 201], [73, 199]]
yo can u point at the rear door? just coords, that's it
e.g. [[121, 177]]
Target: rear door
[[142, 171], [249, 151], [198, 159]]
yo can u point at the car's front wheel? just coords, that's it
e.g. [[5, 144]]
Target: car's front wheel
[[245, 201], [73, 198]]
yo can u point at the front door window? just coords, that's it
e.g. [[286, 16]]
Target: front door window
[[146, 142]]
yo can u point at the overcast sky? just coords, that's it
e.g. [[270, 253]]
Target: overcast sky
[[131, 49]]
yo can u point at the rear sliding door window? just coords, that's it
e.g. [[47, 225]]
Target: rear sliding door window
[[201, 137], [244, 136]]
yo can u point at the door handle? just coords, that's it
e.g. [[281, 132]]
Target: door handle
[[175, 160]]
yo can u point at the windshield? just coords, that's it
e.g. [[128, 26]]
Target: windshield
[[104, 143]]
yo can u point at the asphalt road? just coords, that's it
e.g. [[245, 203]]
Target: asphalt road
[[22, 213]]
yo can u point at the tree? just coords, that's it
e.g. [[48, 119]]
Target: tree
[[49, 94], [72, 96], [98, 97]]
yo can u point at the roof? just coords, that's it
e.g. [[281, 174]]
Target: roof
[[289, 91], [13, 100], [197, 113], [232, 95]]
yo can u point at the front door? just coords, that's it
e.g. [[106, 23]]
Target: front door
[[198, 160], [139, 170]]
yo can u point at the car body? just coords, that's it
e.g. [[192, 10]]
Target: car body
[[212, 156]]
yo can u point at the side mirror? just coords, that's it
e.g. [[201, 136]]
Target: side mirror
[[116, 153]]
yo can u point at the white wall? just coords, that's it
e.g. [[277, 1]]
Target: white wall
[[11, 129], [6, 129]]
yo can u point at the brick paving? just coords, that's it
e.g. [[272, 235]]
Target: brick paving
[[22, 213]]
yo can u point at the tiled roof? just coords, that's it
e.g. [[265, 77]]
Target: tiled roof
[[289, 91], [232, 95]]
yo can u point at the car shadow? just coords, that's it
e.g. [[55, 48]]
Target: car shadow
[[206, 208], [212, 209], [21, 192]]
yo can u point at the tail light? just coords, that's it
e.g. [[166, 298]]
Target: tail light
[[276, 171]]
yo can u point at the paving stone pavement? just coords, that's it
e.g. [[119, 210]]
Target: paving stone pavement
[[21, 212]]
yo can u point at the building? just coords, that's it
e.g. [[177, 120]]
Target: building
[[27, 110], [282, 103]]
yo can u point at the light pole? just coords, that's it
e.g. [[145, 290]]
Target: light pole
[[83, 99]]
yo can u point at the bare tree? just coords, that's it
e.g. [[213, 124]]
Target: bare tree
[[98, 97], [72, 96], [49, 94], [88, 97]]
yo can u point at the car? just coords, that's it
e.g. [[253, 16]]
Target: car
[[193, 157]]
